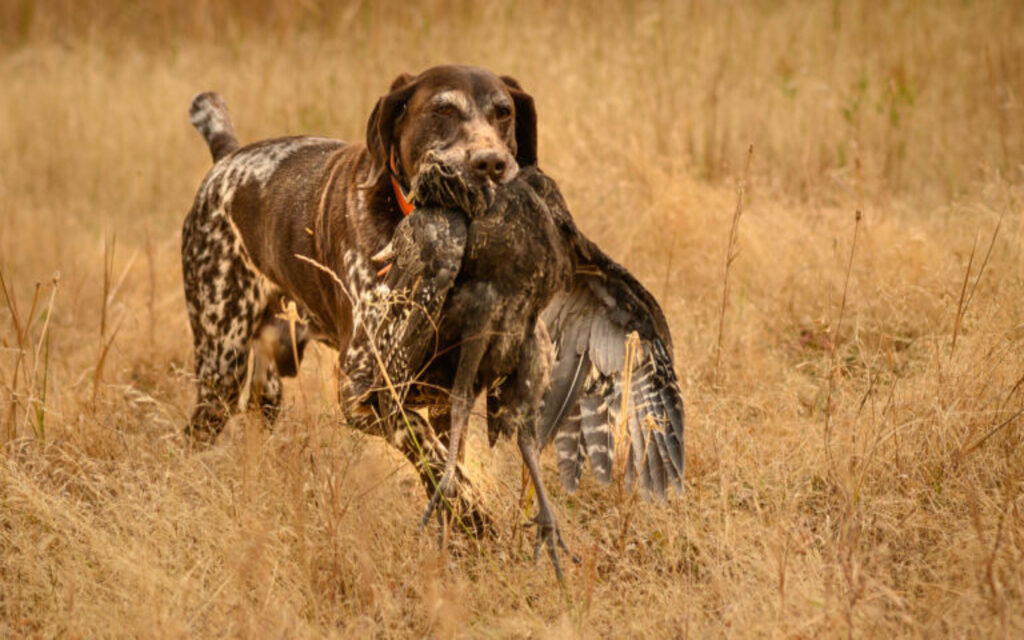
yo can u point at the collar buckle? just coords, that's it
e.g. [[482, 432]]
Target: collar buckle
[[401, 195]]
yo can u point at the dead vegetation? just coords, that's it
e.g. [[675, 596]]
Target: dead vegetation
[[854, 388]]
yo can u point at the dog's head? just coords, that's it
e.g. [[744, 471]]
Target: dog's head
[[452, 134]]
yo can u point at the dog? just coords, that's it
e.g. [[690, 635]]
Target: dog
[[298, 219]]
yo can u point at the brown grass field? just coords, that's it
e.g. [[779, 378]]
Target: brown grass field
[[855, 452]]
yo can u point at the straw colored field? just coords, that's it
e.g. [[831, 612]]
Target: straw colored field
[[855, 455]]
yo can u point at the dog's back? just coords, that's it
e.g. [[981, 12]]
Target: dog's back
[[254, 213], [265, 203]]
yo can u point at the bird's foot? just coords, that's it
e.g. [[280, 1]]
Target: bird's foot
[[463, 507], [444, 493], [549, 536]]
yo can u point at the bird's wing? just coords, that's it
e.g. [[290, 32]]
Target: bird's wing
[[423, 259], [605, 384]]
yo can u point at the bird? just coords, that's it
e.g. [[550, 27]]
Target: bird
[[511, 300]]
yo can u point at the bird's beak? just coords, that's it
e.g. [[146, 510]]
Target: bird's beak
[[387, 254]]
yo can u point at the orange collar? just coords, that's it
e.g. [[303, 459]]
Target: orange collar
[[400, 194]]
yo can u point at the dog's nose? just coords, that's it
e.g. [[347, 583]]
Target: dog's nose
[[488, 164]]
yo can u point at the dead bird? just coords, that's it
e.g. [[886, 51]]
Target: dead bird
[[514, 301]]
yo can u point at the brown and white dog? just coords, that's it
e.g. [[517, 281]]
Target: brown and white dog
[[266, 212]]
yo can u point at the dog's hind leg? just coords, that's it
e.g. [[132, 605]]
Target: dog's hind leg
[[226, 299], [266, 391], [221, 368], [278, 350]]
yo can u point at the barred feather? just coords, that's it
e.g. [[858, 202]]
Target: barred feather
[[589, 325], [571, 451]]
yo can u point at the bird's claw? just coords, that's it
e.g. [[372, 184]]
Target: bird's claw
[[445, 492], [549, 535], [431, 506]]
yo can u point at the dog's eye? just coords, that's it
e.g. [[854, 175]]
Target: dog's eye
[[447, 110], [502, 111]]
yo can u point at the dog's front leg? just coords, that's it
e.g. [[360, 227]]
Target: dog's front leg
[[423, 444]]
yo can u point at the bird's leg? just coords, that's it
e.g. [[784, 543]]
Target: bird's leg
[[470, 354], [548, 533], [525, 397]]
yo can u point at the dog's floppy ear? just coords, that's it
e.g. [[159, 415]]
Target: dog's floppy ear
[[380, 129], [526, 123]]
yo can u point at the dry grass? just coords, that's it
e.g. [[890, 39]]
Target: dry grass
[[852, 470]]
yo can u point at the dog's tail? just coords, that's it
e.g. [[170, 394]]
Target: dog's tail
[[209, 115]]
